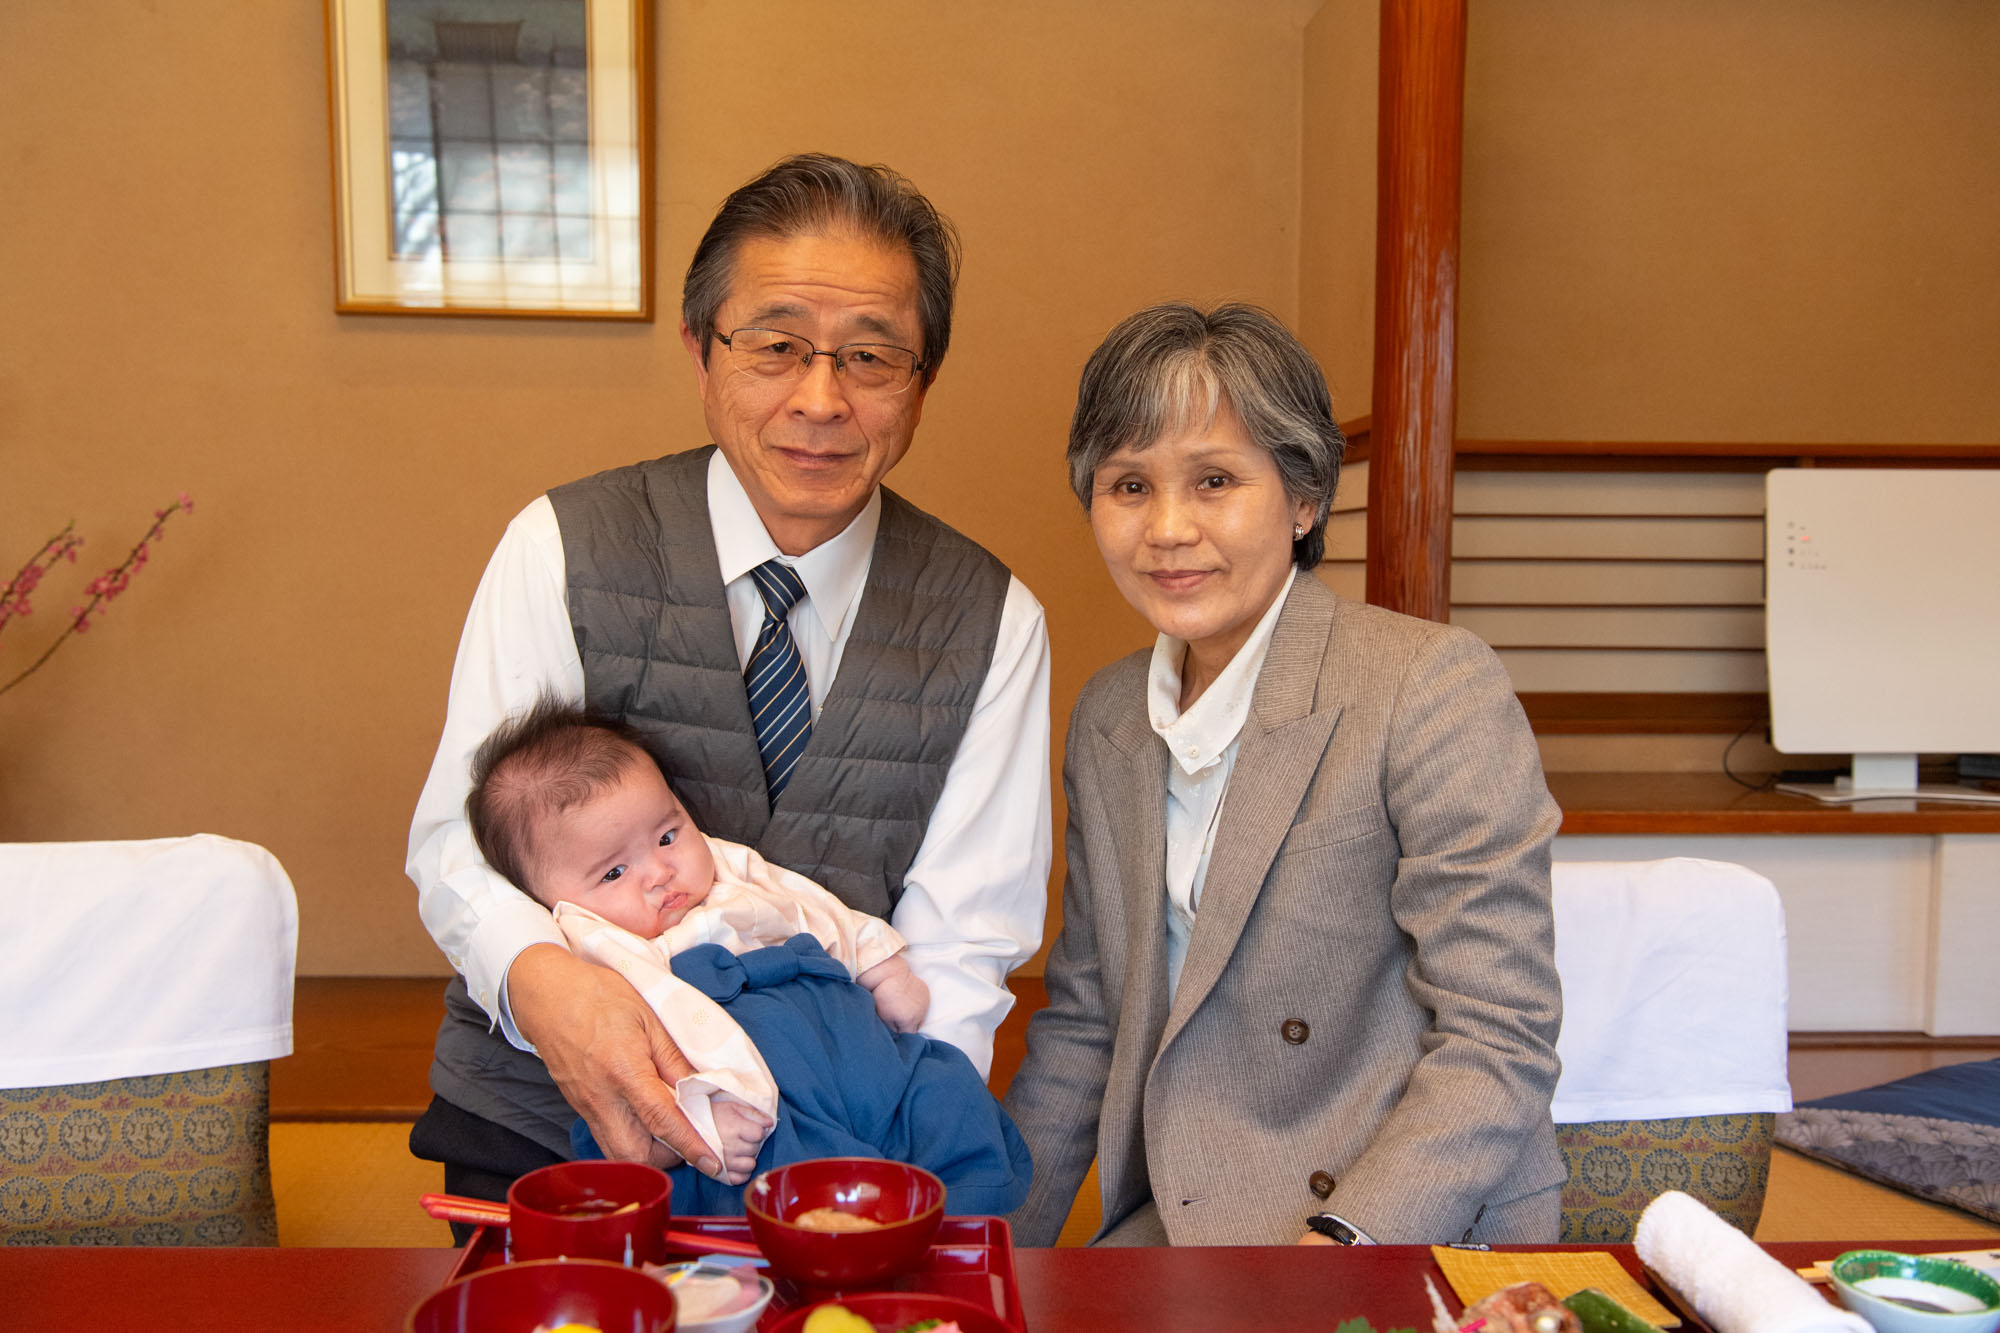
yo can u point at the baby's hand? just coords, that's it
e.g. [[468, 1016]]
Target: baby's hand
[[742, 1129], [901, 997]]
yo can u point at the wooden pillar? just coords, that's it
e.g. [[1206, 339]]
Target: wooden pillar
[[1416, 306]]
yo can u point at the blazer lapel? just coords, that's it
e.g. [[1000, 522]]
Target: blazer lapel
[[1283, 741], [1132, 763]]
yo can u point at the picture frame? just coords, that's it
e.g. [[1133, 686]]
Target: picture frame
[[491, 157]]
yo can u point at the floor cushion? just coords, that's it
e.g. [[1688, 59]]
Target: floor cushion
[[1935, 1135]]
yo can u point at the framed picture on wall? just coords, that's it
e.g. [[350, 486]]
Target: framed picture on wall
[[491, 157]]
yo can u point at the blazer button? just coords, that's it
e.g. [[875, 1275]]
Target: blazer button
[[1320, 1183], [1295, 1031]]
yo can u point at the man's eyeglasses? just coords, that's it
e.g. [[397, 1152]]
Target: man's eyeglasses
[[777, 355]]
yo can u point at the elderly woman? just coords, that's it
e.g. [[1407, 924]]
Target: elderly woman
[[1305, 987]]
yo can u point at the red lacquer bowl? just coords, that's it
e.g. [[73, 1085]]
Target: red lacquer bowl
[[891, 1310], [544, 1293], [907, 1201], [590, 1210]]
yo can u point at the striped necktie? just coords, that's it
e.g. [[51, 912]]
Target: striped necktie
[[780, 702]]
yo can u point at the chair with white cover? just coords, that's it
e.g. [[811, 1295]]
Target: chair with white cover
[[146, 987], [1673, 1041]]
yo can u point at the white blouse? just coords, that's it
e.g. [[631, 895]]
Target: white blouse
[[1203, 743]]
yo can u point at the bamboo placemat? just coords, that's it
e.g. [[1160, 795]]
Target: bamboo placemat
[[1476, 1274]]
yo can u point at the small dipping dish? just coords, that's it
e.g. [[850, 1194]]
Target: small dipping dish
[[716, 1297], [1916, 1293]]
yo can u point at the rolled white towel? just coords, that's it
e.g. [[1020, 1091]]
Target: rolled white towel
[[1732, 1283]]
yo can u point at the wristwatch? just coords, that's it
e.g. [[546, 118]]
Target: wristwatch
[[1338, 1229]]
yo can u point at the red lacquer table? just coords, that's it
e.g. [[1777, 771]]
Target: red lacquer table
[[1062, 1291]]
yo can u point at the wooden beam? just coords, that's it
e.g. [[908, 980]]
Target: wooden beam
[[1420, 131], [1709, 455], [1565, 713]]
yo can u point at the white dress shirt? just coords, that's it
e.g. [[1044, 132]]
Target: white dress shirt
[[973, 900], [1203, 743]]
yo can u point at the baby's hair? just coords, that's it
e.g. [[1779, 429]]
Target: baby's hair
[[549, 759]]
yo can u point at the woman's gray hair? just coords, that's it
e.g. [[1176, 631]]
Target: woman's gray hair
[[815, 192], [1170, 368]]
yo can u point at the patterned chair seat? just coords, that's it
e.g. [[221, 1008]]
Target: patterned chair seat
[[1674, 1039], [148, 985]]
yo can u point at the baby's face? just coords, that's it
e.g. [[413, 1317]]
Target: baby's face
[[630, 854]]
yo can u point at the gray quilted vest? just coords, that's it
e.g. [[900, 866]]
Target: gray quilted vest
[[653, 631]]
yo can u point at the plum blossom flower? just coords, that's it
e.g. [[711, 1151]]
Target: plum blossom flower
[[106, 587]]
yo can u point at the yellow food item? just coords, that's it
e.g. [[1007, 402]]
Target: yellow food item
[[836, 1319], [832, 1219]]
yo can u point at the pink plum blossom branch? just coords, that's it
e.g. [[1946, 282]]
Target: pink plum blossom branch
[[14, 597], [105, 588]]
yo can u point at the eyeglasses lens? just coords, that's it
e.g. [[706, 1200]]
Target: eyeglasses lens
[[776, 355]]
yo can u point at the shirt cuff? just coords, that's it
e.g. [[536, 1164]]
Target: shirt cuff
[[507, 929]]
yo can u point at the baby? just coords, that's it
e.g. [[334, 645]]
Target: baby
[[572, 809]]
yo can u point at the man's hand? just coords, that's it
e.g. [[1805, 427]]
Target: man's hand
[[608, 1054]]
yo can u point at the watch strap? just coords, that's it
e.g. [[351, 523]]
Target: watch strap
[[1338, 1229]]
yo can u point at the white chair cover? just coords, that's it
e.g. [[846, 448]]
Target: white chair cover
[[123, 959], [1674, 985]]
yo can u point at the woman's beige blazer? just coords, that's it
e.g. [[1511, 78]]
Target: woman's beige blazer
[[1367, 1013]]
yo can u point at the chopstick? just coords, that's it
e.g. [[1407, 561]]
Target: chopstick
[[486, 1213], [458, 1208], [694, 1242]]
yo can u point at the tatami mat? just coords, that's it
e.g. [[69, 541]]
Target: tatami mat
[[342, 1184], [1809, 1200], [363, 1049], [345, 1184]]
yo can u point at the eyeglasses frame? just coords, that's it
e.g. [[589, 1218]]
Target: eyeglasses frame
[[917, 364]]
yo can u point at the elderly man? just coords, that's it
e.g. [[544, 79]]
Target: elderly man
[[826, 674]]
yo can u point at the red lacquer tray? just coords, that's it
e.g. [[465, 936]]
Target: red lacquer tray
[[972, 1259]]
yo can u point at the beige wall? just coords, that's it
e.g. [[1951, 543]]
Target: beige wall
[[1337, 185], [1696, 220], [277, 673], [1690, 220], [1686, 220], [1709, 220]]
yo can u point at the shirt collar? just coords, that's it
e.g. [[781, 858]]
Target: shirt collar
[[833, 571], [1198, 737]]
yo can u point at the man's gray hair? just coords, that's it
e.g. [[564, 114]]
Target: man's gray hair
[[1170, 368], [815, 192]]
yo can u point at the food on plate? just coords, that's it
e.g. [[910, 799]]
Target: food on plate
[[840, 1319], [704, 1291], [836, 1319], [567, 1328], [1525, 1307], [1599, 1313], [833, 1219], [593, 1208]]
